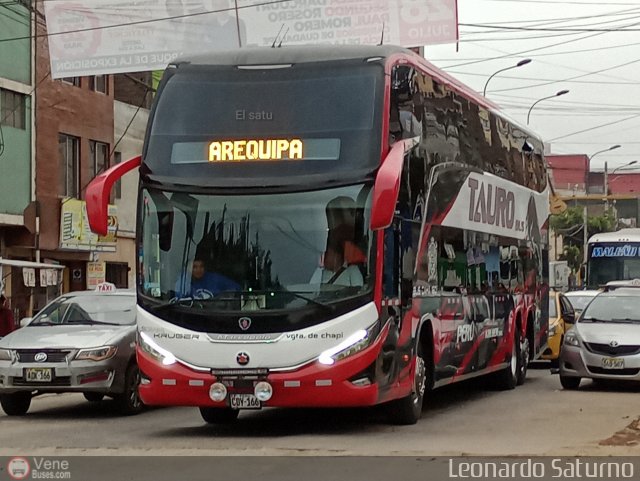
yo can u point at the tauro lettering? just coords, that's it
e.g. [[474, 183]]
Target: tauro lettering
[[492, 206], [237, 150]]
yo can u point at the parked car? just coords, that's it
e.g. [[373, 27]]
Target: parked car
[[561, 319], [80, 342], [605, 341], [580, 299]]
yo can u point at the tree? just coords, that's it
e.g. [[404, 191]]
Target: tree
[[570, 225]]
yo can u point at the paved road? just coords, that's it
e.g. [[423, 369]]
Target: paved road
[[534, 419]]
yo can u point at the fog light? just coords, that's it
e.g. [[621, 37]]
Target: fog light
[[218, 392], [263, 391]]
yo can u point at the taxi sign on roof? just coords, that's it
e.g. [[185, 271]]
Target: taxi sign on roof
[[105, 287]]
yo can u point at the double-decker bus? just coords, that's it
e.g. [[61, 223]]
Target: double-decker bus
[[613, 256], [371, 229]]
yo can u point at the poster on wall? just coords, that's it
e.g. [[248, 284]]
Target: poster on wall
[[92, 37], [75, 233], [96, 273]]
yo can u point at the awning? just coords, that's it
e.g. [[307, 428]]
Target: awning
[[37, 265]]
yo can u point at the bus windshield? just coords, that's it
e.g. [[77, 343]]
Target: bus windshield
[[268, 252], [612, 262]]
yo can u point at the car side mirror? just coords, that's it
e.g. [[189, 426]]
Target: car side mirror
[[569, 317], [25, 321]]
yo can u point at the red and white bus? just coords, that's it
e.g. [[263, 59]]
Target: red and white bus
[[370, 229]]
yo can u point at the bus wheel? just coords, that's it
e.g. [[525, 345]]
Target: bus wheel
[[523, 360], [408, 410], [508, 378], [219, 415], [16, 404]]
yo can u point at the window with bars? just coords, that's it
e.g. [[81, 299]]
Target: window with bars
[[69, 154], [75, 81], [13, 106], [99, 83], [99, 152]]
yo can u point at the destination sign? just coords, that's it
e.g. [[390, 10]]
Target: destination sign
[[263, 149], [228, 151], [622, 250]]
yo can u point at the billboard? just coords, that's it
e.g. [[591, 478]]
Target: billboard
[[75, 233], [93, 37]]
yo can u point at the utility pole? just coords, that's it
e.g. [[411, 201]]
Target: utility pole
[[606, 190], [585, 233]]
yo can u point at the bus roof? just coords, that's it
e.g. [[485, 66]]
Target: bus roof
[[257, 56], [622, 235]]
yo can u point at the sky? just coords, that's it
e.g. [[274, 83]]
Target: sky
[[589, 47]]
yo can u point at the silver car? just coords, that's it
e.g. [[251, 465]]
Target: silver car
[[580, 299], [80, 342], [605, 341]]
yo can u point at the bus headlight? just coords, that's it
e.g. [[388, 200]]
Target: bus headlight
[[356, 342], [217, 392], [149, 346], [263, 391]]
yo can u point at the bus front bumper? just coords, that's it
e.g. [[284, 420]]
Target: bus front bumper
[[347, 383]]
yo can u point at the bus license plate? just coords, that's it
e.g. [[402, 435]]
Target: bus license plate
[[244, 401], [613, 363], [38, 374]]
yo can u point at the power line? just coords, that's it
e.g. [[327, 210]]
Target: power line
[[594, 128]]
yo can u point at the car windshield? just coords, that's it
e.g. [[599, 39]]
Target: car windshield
[[579, 302], [110, 309], [612, 308]]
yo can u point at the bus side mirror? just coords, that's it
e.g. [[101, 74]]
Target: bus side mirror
[[387, 186]]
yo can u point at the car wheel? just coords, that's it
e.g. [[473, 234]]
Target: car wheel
[[408, 410], [16, 404], [571, 383], [508, 378], [129, 401], [93, 397], [219, 415]]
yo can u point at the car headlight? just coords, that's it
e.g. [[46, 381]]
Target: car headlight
[[96, 353], [149, 346], [356, 342], [5, 355], [571, 339]]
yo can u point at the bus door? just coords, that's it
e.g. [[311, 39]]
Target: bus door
[[396, 300], [493, 329], [455, 330]]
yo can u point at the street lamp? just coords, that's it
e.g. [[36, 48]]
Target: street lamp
[[557, 94], [623, 166], [519, 64], [613, 147]]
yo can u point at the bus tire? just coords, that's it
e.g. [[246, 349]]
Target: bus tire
[[408, 410], [508, 377], [219, 415], [523, 360], [16, 403], [569, 382], [129, 401]]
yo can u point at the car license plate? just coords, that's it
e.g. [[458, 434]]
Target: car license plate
[[613, 363], [244, 401], [38, 374]]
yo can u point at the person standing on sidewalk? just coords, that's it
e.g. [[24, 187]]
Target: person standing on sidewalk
[[7, 322]]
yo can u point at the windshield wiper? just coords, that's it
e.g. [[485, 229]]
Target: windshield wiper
[[297, 294], [91, 322], [625, 320], [181, 301]]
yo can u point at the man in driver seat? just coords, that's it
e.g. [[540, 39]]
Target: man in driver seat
[[206, 284]]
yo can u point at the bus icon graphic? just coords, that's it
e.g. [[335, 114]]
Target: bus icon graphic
[[18, 468]]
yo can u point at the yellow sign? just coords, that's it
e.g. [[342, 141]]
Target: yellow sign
[[75, 233], [556, 205], [268, 149]]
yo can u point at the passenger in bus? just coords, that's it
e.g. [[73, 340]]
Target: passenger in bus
[[203, 284], [336, 271]]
